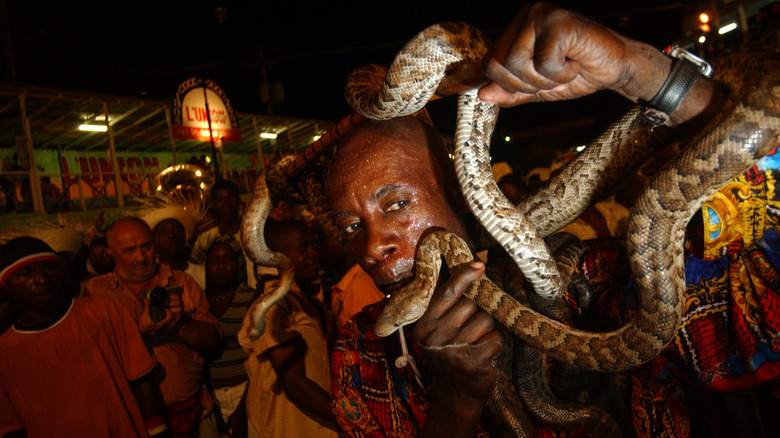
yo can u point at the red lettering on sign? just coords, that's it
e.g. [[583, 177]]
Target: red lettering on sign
[[151, 162]]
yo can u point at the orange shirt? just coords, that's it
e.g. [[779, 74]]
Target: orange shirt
[[71, 379], [183, 365], [352, 293]]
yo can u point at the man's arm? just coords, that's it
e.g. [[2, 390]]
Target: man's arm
[[461, 344], [549, 54], [198, 335], [11, 425], [149, 398], [287, 362], [237, 422]]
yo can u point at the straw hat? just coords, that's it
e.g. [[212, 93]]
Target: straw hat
[[63, 236], [160, 206], [154, 216]]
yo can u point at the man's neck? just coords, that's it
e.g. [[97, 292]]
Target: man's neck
[[229, 227], [136, 287], [215, 290], [175, 263], [309, 289], [41, 319]]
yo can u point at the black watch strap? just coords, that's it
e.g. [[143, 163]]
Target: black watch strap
[[677, 85], [686, 69]]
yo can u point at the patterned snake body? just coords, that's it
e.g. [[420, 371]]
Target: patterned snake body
[[746, 130], [253, 238]]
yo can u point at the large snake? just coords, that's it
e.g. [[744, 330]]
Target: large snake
[[746, 129], [276, 181], [253, 238]]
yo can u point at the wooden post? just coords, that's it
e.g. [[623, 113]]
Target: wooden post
[[35, 185], [170, 135], [120, 198]]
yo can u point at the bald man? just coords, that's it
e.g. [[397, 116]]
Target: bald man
[[187, 329]]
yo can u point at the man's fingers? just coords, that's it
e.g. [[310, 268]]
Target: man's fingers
[[496, 94], [449, 293], [509, 80], [492, 344], [476, 327]]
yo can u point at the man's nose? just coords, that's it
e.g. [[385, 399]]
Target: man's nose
[[140, 255], [41, 275], [379, 246]]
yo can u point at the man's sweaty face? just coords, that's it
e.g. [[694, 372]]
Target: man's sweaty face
[[383, 199]]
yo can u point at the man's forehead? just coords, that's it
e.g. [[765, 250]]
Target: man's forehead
[[224, 193], [131, 234], [168, 223]]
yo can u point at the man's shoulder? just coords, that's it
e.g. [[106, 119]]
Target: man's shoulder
[[102, 284], [98, 310], [94, 302], [201, 244], [364, 321], [208, 234]]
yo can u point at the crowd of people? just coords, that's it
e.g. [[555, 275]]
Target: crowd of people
[[158, 309], [145, 331]]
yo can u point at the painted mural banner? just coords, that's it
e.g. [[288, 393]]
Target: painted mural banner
[[93, 170]]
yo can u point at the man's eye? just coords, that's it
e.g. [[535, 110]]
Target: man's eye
[[397, 205], [351, 228], [24, 272]]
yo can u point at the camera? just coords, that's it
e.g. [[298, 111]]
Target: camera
[[159, 297]]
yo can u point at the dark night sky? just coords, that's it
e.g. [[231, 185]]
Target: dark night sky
[[147, 48], [137, 48]]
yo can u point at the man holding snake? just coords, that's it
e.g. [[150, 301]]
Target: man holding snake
[[387, 186]]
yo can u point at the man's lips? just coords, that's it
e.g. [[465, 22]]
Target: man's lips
[[394, 286], [47, 293], [389, 272]]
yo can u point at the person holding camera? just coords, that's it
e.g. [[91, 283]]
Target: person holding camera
[[172, 314]]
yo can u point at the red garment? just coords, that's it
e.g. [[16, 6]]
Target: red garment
[[71, 379], [370, 396], [183, 365]]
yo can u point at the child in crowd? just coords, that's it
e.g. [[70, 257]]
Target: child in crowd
[[289, 363], [229, 299]]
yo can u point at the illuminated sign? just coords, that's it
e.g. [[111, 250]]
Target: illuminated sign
[[200, 105]]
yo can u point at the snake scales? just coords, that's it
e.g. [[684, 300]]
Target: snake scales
[[746, 130]]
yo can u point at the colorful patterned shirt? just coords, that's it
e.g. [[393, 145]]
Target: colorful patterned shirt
[[370, 396]]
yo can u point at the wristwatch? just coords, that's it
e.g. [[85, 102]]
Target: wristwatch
[[686, 69]]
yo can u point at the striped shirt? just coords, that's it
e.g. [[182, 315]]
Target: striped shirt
[[228, 369]]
